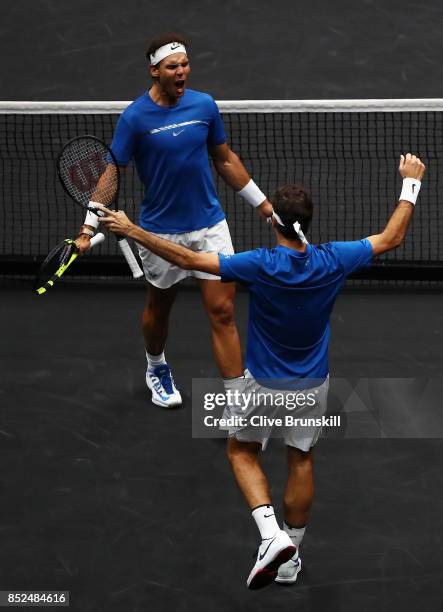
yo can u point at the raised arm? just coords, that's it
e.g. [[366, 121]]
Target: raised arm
[[229, 166], [412, 170], [119, 223]]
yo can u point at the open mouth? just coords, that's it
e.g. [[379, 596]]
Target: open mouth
[[180, 86]]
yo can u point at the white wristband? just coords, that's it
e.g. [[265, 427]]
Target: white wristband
[[91, 218], [252, 194], [410, 190], [87, 231]]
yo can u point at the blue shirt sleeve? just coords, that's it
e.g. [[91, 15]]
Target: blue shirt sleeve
[[353, 255], [217, 134], [123, 143], [242, 267]]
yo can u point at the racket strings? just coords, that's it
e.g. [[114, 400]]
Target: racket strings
[[59, 255], [88, 172]]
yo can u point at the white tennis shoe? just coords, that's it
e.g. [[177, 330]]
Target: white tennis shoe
[[272, 553], [288, 572], [162, 385]]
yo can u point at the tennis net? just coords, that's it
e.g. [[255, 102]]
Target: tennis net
[[346, 152]]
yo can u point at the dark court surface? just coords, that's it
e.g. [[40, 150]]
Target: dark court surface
[[109, 497], [309, 49]]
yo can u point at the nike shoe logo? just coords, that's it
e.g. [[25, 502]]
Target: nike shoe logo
[[260, 557], [177, 133]]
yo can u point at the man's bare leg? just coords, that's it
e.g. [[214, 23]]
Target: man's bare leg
[[218, 299], [251, 480], [297, 504], [155, 319], [299, 490]]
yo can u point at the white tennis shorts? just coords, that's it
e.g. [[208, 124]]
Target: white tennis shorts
[[259, 417], [162, 274]]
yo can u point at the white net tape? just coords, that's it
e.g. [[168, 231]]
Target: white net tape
[[240, 106]]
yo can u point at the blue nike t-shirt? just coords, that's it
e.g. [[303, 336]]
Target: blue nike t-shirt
[[291, 299], [169, 146]]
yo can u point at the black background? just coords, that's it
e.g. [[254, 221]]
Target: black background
[[94, 50]]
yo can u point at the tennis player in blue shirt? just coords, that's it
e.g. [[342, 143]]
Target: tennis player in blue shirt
[[168, 132], [292, 289]]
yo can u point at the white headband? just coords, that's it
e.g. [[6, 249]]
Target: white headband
[[296, 226], [169, 49]]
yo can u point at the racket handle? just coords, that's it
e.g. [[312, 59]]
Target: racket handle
[[137, 272], [97, 239]]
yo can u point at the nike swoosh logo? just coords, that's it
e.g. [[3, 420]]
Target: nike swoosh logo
[[174, 46], [177, 133], [413, 187], [268, 515], [260, 557]]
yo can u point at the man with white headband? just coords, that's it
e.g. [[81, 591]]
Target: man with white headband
[[292, 290], [168, 131]]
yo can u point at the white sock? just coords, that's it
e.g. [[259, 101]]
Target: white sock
[[155, 360], [295, 533], [267, 524]]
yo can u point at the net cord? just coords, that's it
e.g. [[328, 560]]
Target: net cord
[[237, 106]]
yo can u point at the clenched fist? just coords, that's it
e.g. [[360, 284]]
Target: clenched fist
[[411, 166]]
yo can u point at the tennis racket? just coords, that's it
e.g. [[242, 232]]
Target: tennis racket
[[58, 261], [89, 173]]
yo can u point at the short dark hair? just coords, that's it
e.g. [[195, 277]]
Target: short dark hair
[[292, 203], [164, 39]]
